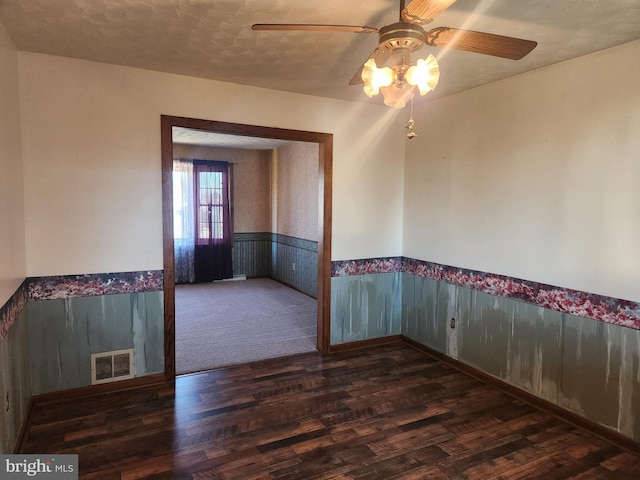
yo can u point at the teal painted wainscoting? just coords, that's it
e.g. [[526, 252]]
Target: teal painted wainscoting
[[287, 251], [365, 306], [272, 255], [584, 365], [64, 332], [252, 254], [15, 387], [422, 319]]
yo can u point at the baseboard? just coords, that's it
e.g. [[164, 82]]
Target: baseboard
[[601, 431], [293, 287], [91, 390], [373, 342], [286, 284]]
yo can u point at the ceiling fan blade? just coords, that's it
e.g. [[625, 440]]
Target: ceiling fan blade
[[313, 27], [478, 42], [379, 55], [424, 11]]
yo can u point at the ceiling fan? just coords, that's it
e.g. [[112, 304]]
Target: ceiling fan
[[398, 40]]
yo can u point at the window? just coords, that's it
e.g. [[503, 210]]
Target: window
[[211, 196], [212, 202], [202, 221]]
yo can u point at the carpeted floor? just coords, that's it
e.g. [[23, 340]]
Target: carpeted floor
[[232, 322]]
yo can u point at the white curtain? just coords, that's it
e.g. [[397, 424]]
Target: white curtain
[[183, 221]]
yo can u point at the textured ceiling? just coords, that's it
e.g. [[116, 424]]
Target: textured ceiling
[[213, 38], [203, 138]]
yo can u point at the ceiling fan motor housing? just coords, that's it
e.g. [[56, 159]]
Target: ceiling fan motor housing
[[402, 35]]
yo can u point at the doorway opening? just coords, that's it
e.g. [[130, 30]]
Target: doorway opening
[[325, 148]]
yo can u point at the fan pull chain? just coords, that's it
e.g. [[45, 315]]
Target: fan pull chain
[[411, 124]]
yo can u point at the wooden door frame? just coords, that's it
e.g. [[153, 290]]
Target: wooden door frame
[[325, 144]]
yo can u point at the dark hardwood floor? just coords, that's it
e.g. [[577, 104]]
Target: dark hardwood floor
[[387, 412]]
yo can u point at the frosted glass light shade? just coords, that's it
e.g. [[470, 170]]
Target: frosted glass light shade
[[374, 77], [397, 97], [425, 74]]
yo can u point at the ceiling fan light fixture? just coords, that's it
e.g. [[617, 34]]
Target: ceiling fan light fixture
[[425, 74], [397, 41], [396, 82], [374, 78]]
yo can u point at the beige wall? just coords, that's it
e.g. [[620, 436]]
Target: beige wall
[[534, 177], [296, 191], [91, 137], [251, 183], [12, 240]]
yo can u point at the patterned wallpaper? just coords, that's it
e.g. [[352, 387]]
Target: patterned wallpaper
[[297, 191], [10, 311], [599, 307], [616, 311], [91, 285], [71, 286]]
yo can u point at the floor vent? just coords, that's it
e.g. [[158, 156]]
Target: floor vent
[[111, 366]]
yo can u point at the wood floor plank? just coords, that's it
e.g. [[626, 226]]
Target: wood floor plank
[[388, 412]]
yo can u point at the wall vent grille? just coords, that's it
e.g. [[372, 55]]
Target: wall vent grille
[[111, 366]]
